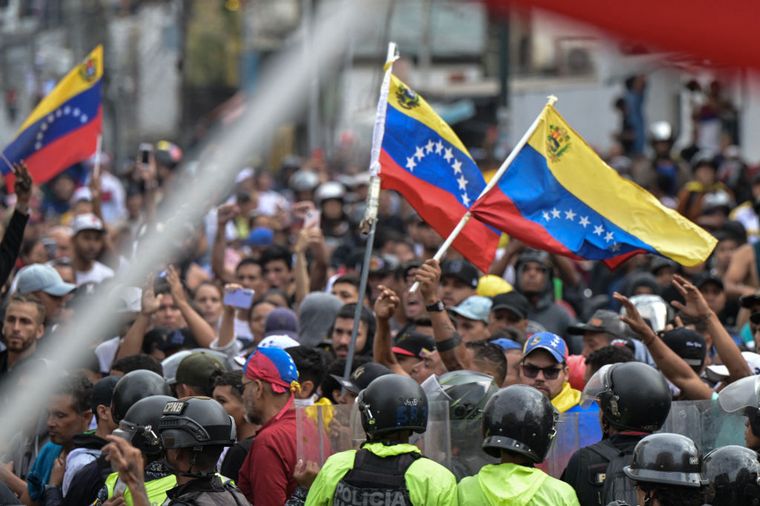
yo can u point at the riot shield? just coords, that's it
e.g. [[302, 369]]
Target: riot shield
[[323, 430]]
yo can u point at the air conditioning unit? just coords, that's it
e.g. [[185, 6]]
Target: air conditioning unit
[[575, 56]]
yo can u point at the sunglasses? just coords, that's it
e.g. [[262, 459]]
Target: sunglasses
[[550, 373]]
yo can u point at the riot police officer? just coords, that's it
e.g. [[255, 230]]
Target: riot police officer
[[193, 433], [732, 473], [466, 393], [386, 469], [744, 395], [519, 424], [140, 427], [134, 386], [666, 470], [634, 400]]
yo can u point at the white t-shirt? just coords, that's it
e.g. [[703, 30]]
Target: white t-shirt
[[97, 274]]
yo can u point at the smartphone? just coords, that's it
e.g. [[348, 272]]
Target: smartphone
[[312, 219], [145, 150], [241, 298], [51, 248]]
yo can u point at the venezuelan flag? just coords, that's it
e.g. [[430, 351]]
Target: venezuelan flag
[[63, 129], [559, 196], [424, 160]]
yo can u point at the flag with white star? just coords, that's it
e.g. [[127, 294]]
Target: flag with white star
[[559, 196], [64, 127], [424, 160]]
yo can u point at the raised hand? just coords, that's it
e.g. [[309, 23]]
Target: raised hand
[[386, 304]]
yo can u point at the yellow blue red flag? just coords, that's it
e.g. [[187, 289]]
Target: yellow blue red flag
[[64, 127], [559, 196], [424, 160]]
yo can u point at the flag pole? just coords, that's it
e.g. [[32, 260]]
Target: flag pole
[[369, 222], [96, 164], [551, 100]]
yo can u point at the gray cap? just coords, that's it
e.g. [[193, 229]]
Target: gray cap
[[316, 315], [43, 277]]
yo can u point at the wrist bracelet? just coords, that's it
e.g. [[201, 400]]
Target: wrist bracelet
[[448, 344]]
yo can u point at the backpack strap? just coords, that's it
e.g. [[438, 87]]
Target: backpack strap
[[606, 450]]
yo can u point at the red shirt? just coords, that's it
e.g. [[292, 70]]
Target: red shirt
[[266, 476]]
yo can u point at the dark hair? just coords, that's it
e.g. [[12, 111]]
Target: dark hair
[[348, 279], [135, 362], [275, 252], [670, 495], [608, 355], [310, 363], [233, 379], [80, 390], [27, 246], [347, 311], [206, 283], [329, 383], [491, 354], [247, 261]]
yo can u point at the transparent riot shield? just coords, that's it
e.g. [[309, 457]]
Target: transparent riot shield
[[325, 430], [574, 430], [706, 424]]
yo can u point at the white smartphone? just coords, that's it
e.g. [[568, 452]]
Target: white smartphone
[[241, 298], [312, 219]]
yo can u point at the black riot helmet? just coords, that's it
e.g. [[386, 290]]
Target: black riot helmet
[[666, 459], [467, 392], [519, 419], [196, 423], [392, 403], [134, 386], [631, 395], [140, 423], [732, 473]]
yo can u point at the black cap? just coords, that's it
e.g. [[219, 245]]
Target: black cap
[[462, 270], [602, 320], [749, 300], [413, 344], [512, 301], [661, 262], [705, 278], [362, 376], [687, 344]]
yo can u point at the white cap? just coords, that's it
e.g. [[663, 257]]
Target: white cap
[[86, 221], [753, 361], [279, 341]]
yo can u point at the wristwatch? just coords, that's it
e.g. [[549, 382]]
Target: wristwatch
[[436, 307]]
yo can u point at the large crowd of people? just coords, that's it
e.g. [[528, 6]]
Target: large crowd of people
[[193, 398]]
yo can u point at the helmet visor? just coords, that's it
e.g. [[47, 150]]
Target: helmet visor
[[741, 394], [597, 384]]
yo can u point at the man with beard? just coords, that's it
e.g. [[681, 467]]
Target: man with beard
[[534, 281], [23, 326], [544, 367], [340, 333], [269, 382], [88, 242], [45, 283]]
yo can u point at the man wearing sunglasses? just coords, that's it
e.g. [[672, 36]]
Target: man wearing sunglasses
[[544, 367]]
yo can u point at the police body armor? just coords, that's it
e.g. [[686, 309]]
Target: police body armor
[[375, 481], [222, 493]]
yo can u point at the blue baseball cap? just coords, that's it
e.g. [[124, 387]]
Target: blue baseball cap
[[260, 237], [549, 342], [42, 277], [506, 344], [474, 307]]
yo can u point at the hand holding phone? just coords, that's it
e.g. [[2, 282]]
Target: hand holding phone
[[241, 298], [312, 219], [146, 149]]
